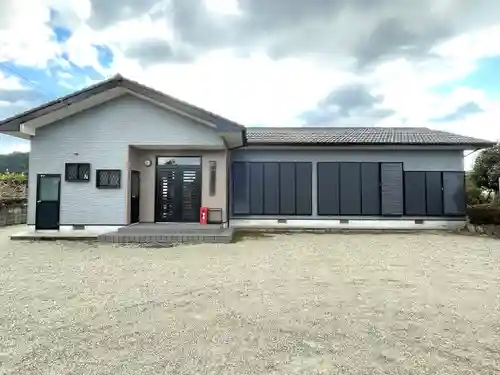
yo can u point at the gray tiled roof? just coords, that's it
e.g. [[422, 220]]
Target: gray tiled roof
[[360, 135]]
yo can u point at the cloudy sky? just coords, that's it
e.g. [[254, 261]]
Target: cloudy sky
[[433, 63]]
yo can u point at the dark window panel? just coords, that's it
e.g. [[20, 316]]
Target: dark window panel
[[271, 188], [328, 189], [240, 188], [303, 183], [454, 193], [77, 172], [256, 188], [415, 199], [71, 171], [434, 193], [350, 189], [108, 178], [287, 188], [370, 189]]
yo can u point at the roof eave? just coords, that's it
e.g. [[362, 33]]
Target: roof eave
[[13, 123], [465, 146]]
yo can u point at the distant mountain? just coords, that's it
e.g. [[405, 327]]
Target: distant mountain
[[15, 162]]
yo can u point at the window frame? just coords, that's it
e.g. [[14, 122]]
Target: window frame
[[212, 178], [78, 166], [98, 180]]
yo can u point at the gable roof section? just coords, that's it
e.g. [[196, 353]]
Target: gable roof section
[[222, 125], [360, 136]]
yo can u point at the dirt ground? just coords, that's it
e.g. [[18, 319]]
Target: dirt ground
[[290, 304]]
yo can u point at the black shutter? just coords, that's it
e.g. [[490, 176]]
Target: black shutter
[[370, 189], [434, 193], [271, 189], [454, 193], [303, 188], [256, 188], [391, 175], [328, 189], [287, 188], [240, 188], [415, 201], [350, 188]]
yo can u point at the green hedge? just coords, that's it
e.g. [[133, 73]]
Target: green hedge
[[14, 178], [484, 214]]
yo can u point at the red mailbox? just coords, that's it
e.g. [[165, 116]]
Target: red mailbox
[[203, 215]]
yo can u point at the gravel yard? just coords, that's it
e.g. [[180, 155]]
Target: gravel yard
[[289, 304]]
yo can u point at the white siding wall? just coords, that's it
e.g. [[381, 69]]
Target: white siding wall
[[101, 136]]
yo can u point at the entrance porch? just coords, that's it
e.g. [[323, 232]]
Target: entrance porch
[[169, 185], [169, 233], [147, 233]]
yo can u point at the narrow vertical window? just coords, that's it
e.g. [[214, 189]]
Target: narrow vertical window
[[213, 177]]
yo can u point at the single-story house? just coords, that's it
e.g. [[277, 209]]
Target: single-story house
[[119, 152]]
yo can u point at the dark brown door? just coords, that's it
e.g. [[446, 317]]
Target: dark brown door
[[135, 189], [47, 201], [178, 193]]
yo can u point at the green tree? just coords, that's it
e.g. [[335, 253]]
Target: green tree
[[486, 170], [475, 195]]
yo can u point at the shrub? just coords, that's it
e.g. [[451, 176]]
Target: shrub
[[475, 196], [11, 177], [484, 214]]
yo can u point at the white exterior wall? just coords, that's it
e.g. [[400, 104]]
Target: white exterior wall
[[101, 136]]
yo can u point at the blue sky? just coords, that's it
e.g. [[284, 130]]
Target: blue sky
[[58, 78], [485, 77], [256, 68]]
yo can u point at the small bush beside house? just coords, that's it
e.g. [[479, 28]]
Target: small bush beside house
[[484, 214]]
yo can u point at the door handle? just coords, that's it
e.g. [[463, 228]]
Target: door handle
[[38, 201]]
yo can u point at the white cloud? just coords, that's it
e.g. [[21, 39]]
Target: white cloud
[[10, 82], [484, 124], [255, 89], [252, 91], [223, 6], [472, 46], [409, 87], [64, 75], [81, 51], [25, 38], [72, 13], [10, 144]]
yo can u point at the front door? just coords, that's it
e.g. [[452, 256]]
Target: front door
[[135, 188], [178, 190], [47, 201]]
